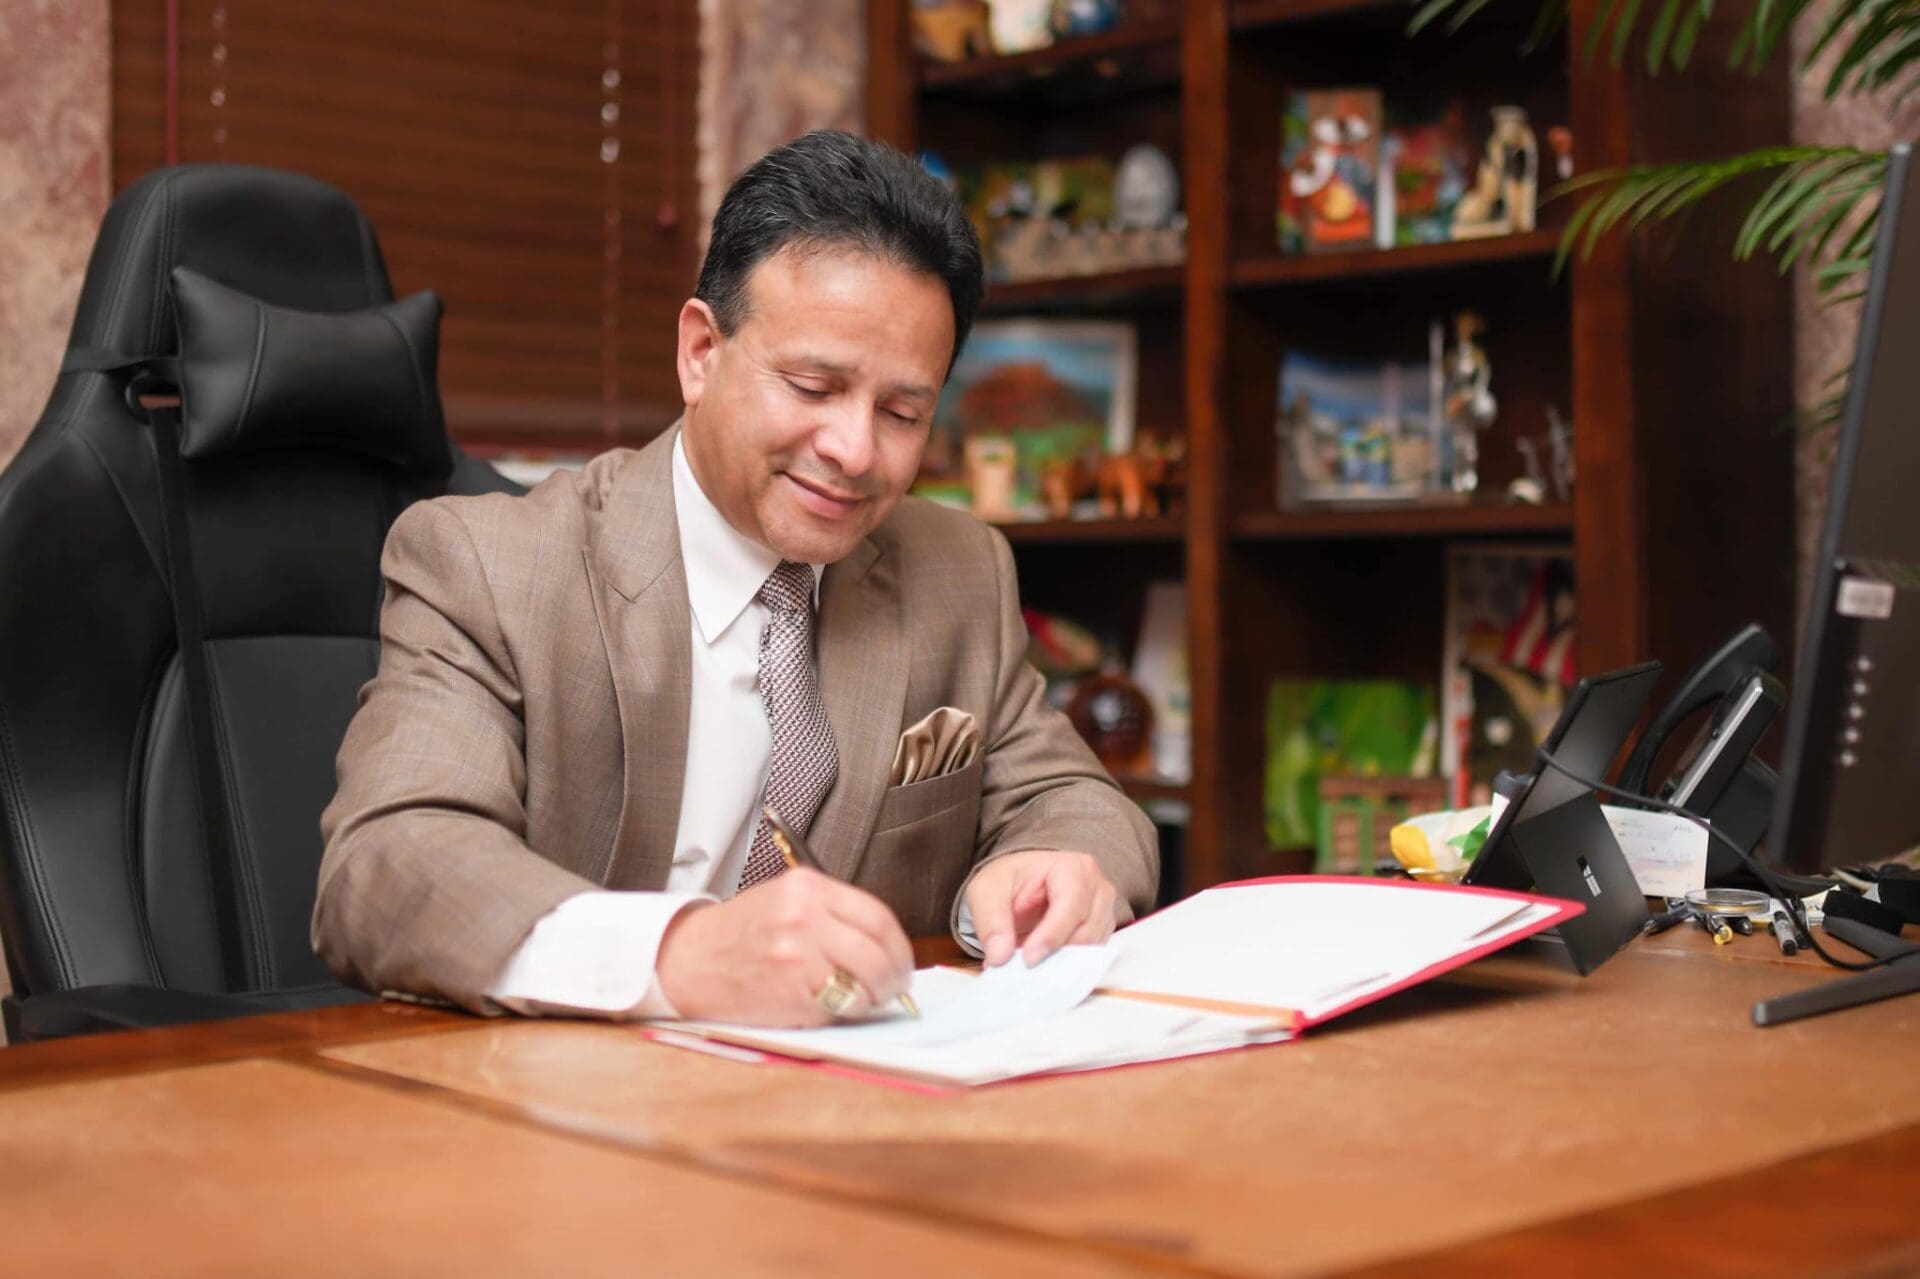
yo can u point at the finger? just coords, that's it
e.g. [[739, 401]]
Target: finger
[[1098, 925], [1069, 894], [859, 909], [866, 961], [991, 905]]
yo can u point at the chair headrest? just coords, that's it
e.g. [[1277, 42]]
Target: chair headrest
[[286, 239], [254, 376]]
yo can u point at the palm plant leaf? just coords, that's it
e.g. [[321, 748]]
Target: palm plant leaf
[[1821, 200], [1875, 43]]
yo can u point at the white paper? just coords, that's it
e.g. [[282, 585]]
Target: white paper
[[1311, 947], [1014, 1020], [1304, 945], [1668, 854], [955, 1005]]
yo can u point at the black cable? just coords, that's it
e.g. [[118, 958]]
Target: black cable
[[1788, 899]]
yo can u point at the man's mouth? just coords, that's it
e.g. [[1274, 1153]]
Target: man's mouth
[[821, 499]]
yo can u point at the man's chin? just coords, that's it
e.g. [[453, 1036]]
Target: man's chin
[[803, 541]]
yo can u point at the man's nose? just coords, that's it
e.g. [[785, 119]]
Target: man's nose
[[845, 439]]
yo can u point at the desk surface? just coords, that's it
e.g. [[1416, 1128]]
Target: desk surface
[[1512, 1118]]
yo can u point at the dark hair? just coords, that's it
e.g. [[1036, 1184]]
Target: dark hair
[[830, 189]]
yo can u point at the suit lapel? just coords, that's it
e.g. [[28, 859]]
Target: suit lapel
[[862, 651], [640, 601]]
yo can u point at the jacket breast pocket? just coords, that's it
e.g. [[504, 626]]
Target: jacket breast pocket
[[907, 805], [922, 848]]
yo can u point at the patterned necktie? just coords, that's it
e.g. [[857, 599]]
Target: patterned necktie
[[804, 760]]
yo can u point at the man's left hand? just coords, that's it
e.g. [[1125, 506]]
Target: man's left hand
[[1040, 899]]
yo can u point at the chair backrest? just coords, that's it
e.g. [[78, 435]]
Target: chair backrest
[[104, 871]]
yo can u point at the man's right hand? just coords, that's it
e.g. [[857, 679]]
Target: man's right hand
[[761, 958]]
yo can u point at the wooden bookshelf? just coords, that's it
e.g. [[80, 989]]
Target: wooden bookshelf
[[1673, 363], [996, 74], [1151, 284], [1248, 15], [1465, 520], [1276, 270], [1068, 532]]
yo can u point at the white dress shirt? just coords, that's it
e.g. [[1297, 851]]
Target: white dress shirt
[[594, 953]]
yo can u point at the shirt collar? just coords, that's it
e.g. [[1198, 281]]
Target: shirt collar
[[725, 567]]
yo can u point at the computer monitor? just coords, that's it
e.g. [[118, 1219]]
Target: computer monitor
[[1849, 787]]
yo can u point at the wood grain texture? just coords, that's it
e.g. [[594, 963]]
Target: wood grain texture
[[136, 1051], [1535, 1088], [258, 1167]]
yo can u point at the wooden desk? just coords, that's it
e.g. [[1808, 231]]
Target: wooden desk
[[1517, 1118]]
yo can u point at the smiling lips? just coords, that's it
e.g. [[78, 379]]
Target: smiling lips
[[822, 501]]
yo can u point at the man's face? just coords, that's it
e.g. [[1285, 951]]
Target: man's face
[[806, 426]]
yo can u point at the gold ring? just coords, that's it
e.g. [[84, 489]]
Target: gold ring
[[839, 994]]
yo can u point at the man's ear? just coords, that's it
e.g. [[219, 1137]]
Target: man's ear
[[699, 344]]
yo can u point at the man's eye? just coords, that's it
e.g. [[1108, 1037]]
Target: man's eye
[[905, 419], [807, 392]]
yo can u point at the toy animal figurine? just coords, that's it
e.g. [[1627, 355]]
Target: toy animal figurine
[[951, 30], [1129, 485], [1064, 481]]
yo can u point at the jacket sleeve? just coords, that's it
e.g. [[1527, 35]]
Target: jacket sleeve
[[1041, 786], [427, 885]]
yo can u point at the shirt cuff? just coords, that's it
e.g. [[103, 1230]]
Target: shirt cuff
[[965, 933], [593, 955]]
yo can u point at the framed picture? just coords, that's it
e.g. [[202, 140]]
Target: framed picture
[[1059, 389], [1354, 431], [1508, 663]]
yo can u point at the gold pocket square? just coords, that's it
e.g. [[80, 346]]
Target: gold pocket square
[[944, 742]]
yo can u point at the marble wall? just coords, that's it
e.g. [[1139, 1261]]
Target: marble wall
[[54, 178], [771, 70]]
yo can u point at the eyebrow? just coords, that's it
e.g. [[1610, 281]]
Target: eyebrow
[[818, 365]]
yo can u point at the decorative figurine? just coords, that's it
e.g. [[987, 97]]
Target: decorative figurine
[[992, 461], [951, 30], [1020, 26], [1560, 450], [1560, 142], [1506, 191], [1467, 406], [1146, 188], [1115, 718], [1063, 481], [1333, 169], [1529, 489], [1084, 17]]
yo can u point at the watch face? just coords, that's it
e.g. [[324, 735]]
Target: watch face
[[1146, 189]]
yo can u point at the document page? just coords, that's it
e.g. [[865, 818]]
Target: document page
[[1009, 1021], [1309, 945]]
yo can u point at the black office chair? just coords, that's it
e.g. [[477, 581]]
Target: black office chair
[[189, 598]]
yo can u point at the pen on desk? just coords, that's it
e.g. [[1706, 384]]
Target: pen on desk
[[1715, 926], [1783, 933], [1676, 913], [793, 850]]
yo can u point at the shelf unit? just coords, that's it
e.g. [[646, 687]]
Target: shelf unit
[[1673, 363]]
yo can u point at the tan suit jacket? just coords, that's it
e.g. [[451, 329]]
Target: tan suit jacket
[[525, 738]]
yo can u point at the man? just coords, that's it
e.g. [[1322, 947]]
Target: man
[[550, 799]]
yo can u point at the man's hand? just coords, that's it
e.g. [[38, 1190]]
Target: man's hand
[[1040, 900], [761, 958]]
